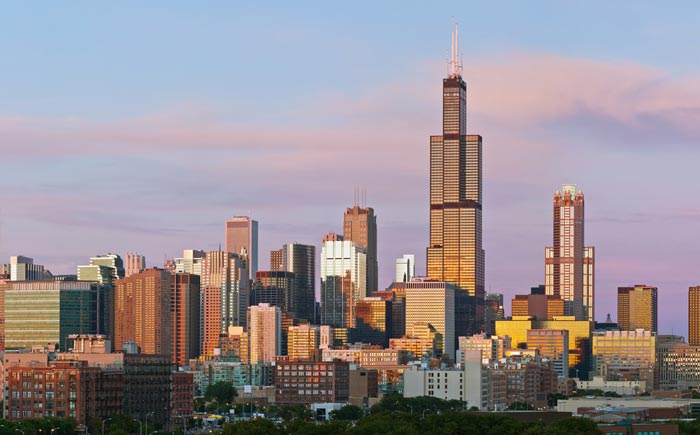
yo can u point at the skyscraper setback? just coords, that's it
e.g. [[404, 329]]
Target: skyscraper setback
[[455, 253], [569, 265]]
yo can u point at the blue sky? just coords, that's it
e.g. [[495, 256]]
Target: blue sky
[[142, 127]]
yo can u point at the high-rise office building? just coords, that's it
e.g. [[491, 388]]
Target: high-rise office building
[[276, 260], [455, 252], [493, 310], [569, 264], [373, 321], [694, 316], [302, 342], [264, 332], [142, 311], [224, 296], [624, 355], [360, 226], [191, 262], [433, 302], [135, 263], [405, 268], [242, 238], [301, 261], [275, 288], [552, 344], [22, 268], [343, 280], [186, 317], [637, 308], [38, 313]]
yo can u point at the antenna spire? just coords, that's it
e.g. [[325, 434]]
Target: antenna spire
[[454, 64]]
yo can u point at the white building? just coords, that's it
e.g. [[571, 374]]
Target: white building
[[468, 385], [343, 280], [405, 268], [264, 333], [623, 388], [191, 262]]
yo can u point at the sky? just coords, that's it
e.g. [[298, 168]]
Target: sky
[[141, 127]]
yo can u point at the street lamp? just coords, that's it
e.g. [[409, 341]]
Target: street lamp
[[54, 428], [139, 425], [19, 430], [146, 425], [424, 412], [103, 425]]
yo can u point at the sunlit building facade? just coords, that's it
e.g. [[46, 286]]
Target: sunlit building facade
[[569, 264], [264, 332], [242, 239], [552, 344], [40, 313], [360, 226], [343, 280], [455, 253], [373, 321], [694, 316], [433, 302], [637, 308], [625, 355]]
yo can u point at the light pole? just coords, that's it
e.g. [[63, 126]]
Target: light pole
[[411, 408], [424, 412], [103, 425], [145, 430], [140, 433], [53, 429], [19, 430]]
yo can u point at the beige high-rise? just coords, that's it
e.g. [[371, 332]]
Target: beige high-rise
[[694, 316], [569, 265], [637, 308], [264, 333]]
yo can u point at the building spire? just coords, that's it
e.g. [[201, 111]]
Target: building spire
[[454, 64]]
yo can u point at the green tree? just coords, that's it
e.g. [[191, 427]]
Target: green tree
[[347, 412], [253, 427], [221, 392]]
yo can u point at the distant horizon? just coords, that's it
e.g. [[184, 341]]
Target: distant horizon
[[141, 129]]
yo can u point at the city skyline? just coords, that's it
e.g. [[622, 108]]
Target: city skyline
[[79, 146]]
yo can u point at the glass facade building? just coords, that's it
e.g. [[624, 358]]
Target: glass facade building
[[38, 313], [637, 308], [343, 281], [455, 253]]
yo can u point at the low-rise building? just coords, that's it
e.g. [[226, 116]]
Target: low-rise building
[[468, 385], [298, 382]]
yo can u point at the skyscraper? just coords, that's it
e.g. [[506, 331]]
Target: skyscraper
[[694, 316], [455, 253], [637, 308], [264, 332], [405, 268], [135, 263], [569, 265], [275, 288], [276, 260], [433, 302], [343, 280], [301, 260], [224, 296], [142, 305], [186, 316], [191, 262], [242, 233], [360, 226]]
